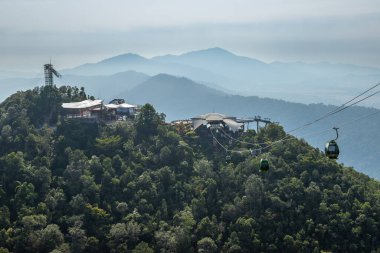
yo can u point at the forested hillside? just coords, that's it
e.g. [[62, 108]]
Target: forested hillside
[[145, 186], [181, 98]]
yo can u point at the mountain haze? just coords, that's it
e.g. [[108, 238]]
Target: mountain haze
[[297, 82], [144, 186], [9, 86], [138, 63], [100, 86], [218, 68], [176, 94], [203, 81], [181, 98], [104, 87]]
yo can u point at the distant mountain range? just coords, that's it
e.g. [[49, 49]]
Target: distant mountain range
[[211, 80], [182, 98], [297, 82], [220, 69], [99, 86]]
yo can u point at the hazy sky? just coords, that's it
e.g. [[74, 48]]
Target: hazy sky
[[73, 32]]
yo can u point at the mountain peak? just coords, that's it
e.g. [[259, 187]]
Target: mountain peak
[[214, 51], [218, 50], [163, 77], [128, 57]]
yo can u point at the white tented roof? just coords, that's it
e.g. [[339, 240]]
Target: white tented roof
[[111, 106], [82, 104], [235, 126], [123, 105], [212, 117], [199, 122]]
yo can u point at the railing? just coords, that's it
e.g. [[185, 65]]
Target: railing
[[84, 116]]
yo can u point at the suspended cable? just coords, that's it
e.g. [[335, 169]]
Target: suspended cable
[[317, 133], [251, 143], [364, 92], [350, 122], [311, 134], [339, 109], [342, 125], [213, 136], [244, 142], [335, 111], [371, 88], [275, 142], [220, 144], [373, 94]]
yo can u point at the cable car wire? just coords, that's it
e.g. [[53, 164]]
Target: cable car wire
[[251, 143], [289, 136], [327, 130], [220, 144], [333, 112], [371, 88], [342, 125], [340, 108], [244, 142]]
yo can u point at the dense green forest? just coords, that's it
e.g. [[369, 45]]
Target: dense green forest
[[145, 186]]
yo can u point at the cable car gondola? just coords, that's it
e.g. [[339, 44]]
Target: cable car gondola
[[332, 149], [264, 165]]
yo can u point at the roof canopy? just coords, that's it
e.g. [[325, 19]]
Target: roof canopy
[[82, 104], [216, 117], [123, 105]]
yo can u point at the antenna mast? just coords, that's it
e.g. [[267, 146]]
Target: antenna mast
[[49, 71]]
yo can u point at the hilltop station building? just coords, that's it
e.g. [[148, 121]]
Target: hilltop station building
[[217, 120], [117, 109]]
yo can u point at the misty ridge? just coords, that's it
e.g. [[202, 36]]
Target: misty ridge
[[189, 126], [297, 82], [198, 82], [220, 69]]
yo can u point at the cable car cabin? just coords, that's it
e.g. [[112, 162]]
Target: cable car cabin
[[264, 165], [332, 150]]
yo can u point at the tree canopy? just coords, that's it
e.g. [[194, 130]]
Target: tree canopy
[[146, 186]]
